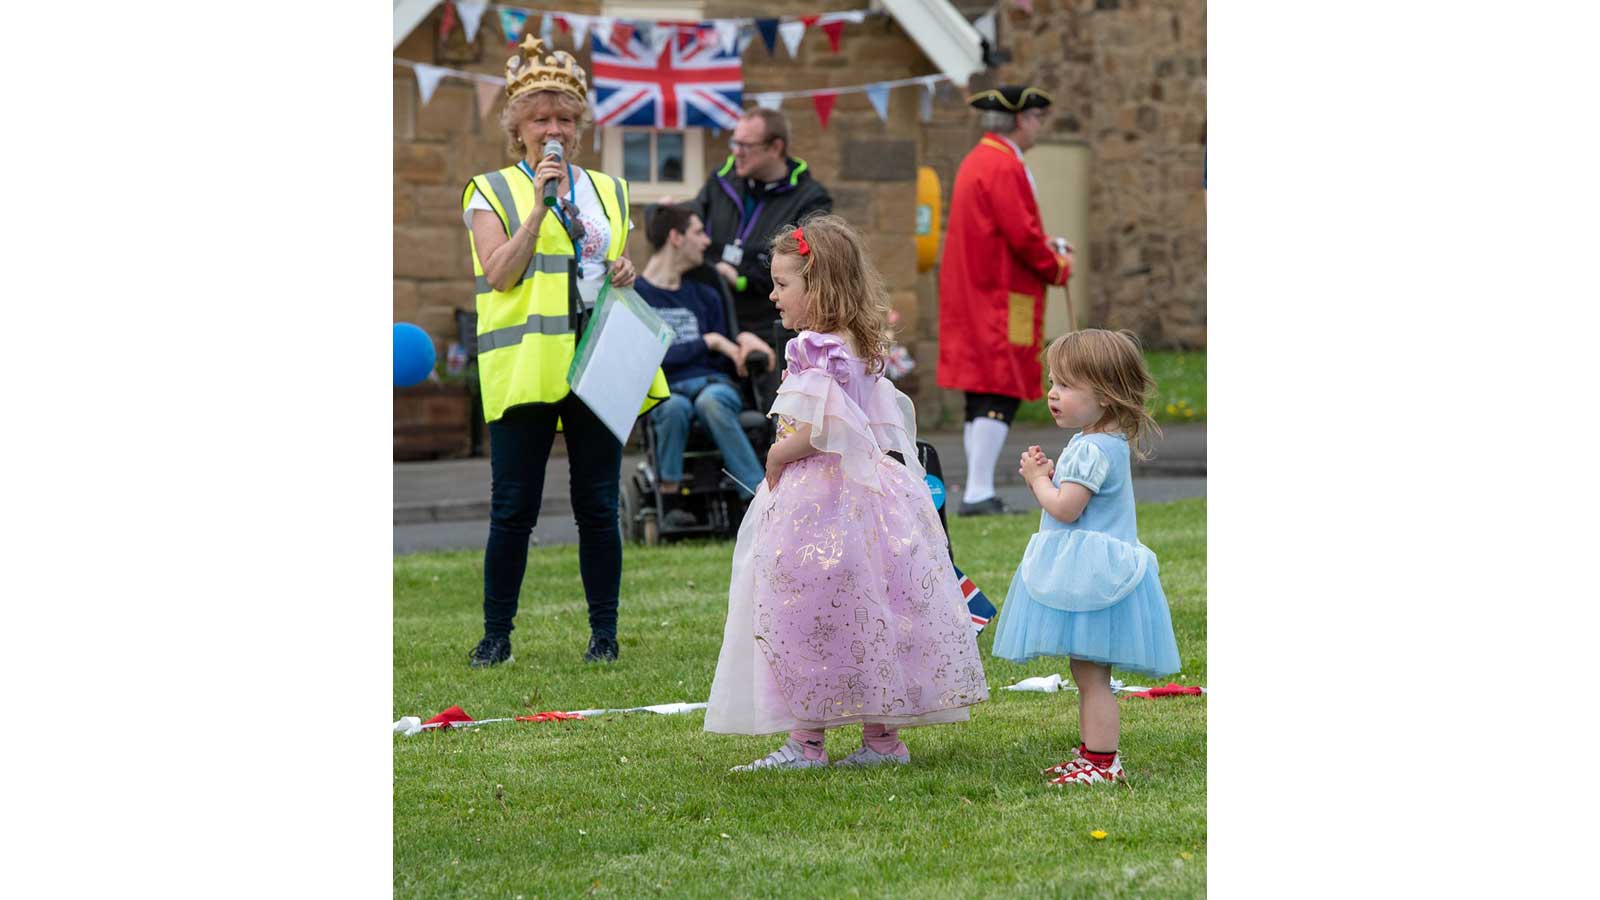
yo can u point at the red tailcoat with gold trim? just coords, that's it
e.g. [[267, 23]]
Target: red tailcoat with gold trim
[[992, 278]]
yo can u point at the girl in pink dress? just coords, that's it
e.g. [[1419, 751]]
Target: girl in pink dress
[[843, 606]]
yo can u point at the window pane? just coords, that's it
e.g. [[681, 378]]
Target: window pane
[[669, 155], [636, 155]]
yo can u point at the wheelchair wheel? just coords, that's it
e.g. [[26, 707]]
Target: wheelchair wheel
[[629, 501]]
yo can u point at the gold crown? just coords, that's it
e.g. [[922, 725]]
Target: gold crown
[[537, 68]]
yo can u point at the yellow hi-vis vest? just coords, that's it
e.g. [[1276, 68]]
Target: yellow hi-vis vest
[[525, 339]]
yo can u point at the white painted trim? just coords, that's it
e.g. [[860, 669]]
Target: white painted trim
[[945, 36], [408, 14], [694, 164]]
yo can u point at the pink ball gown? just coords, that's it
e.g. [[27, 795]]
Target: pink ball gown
[[843, 606]]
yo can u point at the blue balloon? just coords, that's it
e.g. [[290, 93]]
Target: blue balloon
[[936, 488], [413, 354]]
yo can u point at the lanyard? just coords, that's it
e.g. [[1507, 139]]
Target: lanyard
[[747, 221]]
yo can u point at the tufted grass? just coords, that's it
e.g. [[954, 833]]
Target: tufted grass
[[642, 805]]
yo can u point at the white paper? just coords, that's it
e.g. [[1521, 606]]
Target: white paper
[[625, 356], [1046, 684]]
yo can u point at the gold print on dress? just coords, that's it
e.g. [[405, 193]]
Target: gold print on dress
[[817, 639]]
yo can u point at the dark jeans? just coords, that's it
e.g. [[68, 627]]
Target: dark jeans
[[519, 447]]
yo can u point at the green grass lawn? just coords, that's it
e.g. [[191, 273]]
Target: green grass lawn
[[637, 804], [1180, 389]]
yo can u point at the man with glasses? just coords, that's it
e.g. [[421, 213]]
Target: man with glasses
[[758, 192], [997, 262]]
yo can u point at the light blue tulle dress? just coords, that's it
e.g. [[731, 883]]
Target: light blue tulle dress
[[1089, 589]]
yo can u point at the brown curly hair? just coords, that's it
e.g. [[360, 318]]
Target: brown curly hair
[[845, 291], [1110, 364]]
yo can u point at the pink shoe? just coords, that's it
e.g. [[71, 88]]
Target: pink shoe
[[1085, 772]]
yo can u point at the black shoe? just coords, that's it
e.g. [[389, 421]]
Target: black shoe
[[990, 507], [601, 649], [491, 651]]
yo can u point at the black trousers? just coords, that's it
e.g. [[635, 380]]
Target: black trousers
[[519, 448]]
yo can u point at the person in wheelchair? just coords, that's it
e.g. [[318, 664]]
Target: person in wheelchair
[[701, 360]]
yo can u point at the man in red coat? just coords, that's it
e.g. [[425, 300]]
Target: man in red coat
[[997, 263]]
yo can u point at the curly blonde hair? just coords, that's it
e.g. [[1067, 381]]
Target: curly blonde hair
[[845, 291], [1110, 364], [521, 107]]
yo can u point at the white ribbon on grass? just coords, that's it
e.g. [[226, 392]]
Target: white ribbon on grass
[[1049, 684], [410, 725]]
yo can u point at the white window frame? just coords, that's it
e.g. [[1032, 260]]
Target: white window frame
[[694, 139], [653, 190]]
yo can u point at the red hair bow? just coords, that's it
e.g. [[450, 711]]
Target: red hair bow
[[800, 238]]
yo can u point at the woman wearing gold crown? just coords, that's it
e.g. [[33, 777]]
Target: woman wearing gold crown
[[539, 261]]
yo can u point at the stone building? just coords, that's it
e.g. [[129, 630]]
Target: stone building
[[1120, 169]]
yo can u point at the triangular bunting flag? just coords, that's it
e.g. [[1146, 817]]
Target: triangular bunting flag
[[471, 16], [547, 29], [488, 92], [769, 31], [985, 26], [728, 34], [512, 21], [879, 95], [601, 27], [580, 30], [447, 22], [824, 105], [562, 23], [657, 36], [621, 34], [833, 30], [1024, 5], [792, 32], [769, 101], [926, 108], [428, 80], [810, 20]]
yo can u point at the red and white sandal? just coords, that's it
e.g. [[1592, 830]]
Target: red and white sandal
[[1085, 772], [1066, 765]]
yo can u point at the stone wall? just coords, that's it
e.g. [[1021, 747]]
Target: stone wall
[[1128, 76]]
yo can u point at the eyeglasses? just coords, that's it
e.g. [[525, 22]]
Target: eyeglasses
[[747, 146]]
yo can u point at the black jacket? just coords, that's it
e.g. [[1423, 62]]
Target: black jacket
[[782, 203]]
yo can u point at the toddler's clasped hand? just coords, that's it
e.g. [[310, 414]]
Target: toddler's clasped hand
[[1034, 463]]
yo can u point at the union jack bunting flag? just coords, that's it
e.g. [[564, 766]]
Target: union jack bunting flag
[[978, 606], [689, 82]]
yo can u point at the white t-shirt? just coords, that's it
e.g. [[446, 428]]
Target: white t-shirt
[[596, 229]]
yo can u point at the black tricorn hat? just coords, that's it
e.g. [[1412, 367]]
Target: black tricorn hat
[[1012, 98]]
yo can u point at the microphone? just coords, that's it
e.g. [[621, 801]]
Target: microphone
[[552, 187]]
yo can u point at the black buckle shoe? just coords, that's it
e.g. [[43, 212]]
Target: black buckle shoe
[[601, 649], [491, 651], [990, 507]]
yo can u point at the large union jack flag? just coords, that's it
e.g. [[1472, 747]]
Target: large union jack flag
[[689, 82]]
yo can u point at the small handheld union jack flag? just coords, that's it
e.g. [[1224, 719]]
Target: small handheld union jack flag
[[688, 81], [977, 604]]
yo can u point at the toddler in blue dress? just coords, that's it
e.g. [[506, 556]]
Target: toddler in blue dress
[[1086, 588]]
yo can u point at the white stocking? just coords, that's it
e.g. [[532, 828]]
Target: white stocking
[[988, 437]]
